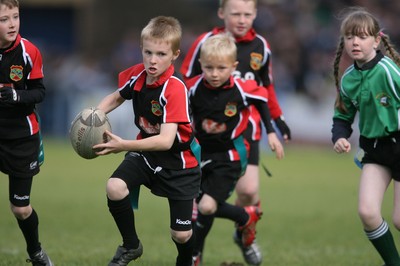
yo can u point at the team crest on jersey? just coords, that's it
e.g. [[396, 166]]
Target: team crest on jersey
[[16, 73], [156, 108], [255, 61], [230, 109], [383, 99]]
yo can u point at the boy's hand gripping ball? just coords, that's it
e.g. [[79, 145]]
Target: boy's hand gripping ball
[[88, 129]]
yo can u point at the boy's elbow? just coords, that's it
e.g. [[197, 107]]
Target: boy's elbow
[[165, 145], [169, 145]]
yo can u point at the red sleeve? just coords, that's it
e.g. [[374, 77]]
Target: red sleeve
[[129, 73], [188, 65], [273, 104], [35, 59], [192, 81], [176, 109], [253, 90]]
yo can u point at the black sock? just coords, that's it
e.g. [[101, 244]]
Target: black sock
[[30, 230], [124, 218], [383, 242], [185, 252], [201, 229], [232, 212]]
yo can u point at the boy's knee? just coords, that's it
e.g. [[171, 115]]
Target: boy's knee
[[21, 213], [181, 236], [207, 205], [116, 189], [207, 209]]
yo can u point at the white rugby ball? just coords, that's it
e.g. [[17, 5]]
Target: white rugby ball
[[88, 129]]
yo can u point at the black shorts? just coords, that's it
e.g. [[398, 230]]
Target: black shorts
[[383, 151], [219, 178], [183, 184], [19, 157]]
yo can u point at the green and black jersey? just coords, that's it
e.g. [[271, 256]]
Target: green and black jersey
[[374, 92]]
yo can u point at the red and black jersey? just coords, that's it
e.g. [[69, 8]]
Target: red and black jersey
[[21, 67], [164, 101], [254, 57], [220, 115]]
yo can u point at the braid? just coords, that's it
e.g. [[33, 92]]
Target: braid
[[338, 103], [336, 63], [393, 54]]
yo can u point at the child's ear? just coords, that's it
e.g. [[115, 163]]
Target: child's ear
[[176, 54], [220, 13], [377, 42]]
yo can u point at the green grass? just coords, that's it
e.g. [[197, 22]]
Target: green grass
[[310, 214]]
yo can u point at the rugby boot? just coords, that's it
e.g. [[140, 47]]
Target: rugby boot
[[40, 258], [123, 256], [251, 254], [248, 231]]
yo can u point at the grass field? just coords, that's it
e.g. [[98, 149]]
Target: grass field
[[310, 214]]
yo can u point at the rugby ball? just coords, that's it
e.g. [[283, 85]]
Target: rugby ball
[[88, 129]]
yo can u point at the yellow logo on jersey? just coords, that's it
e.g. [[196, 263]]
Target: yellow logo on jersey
[[16, 73], [156, 108], [255, 61], [230, 109]]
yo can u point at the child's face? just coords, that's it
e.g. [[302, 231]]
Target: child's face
[[238, 16], [157, 57], [217, 70], [362, 47], [9, 25]]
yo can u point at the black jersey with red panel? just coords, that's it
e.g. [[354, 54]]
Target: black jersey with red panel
[[164, 101], [254, 57], [220, 115], [21, 67]]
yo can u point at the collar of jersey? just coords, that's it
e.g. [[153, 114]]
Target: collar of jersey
[[227, 85], [250, 35], [161, 80], [13, 45], [370, 64]]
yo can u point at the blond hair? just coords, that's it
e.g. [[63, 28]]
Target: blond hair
[[219, 46], [163, 28], [222, 3], [357, 21], [10, 3]]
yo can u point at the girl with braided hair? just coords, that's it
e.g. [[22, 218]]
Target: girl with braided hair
[[371, 87]]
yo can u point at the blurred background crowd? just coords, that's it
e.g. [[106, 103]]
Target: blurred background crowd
[[86, 43]]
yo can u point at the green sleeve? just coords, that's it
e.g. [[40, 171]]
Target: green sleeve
[[351, 111]]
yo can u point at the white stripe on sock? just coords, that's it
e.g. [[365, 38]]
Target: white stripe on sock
[[378, 232]]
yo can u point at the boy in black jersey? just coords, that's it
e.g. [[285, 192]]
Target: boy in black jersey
[[163, 155], [254, 56], [21, 88], [220, 107]]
